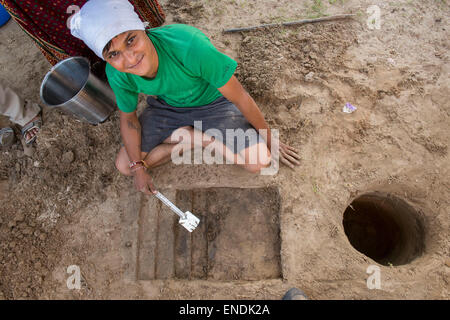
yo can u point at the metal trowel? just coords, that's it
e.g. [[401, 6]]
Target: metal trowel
[[187, 219]]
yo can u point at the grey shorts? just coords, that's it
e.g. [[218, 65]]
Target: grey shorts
[[159, 120]]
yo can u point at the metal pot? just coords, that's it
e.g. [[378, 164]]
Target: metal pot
[[71, 86]]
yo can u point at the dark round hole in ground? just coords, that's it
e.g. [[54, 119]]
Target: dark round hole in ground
[[384, 228]]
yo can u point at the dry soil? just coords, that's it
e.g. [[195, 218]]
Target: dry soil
[[67, 205]]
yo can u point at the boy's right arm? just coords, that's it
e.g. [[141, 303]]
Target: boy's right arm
[[130, 130]]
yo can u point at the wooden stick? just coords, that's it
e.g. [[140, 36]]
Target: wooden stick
[[336, 17]]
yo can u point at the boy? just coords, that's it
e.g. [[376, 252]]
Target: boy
[[192, 82]]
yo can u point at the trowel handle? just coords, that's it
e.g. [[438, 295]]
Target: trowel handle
[[173, 207]]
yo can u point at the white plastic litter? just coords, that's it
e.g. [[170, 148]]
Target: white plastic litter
[[349, 108]]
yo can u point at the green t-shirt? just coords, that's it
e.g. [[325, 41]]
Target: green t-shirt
[[190, 70]]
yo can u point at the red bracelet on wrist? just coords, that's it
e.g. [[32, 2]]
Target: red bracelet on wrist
[[135, 163]]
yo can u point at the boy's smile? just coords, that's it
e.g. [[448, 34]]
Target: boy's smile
[[132, 52]]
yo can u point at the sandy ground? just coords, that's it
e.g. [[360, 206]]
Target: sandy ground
[[67, 205]]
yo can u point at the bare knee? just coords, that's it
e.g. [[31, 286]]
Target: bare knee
[[256, 168], [122, 162], [257, 158]]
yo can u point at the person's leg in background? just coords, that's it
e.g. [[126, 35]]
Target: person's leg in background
[[24, 114]]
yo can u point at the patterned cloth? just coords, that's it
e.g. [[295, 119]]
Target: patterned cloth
[[46, 22]]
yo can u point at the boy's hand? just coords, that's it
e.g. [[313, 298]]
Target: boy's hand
[[289, 156], [143, 182]]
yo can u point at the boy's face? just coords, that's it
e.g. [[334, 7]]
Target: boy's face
[[131, 52]]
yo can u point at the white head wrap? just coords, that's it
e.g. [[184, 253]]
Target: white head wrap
[[99, 21]]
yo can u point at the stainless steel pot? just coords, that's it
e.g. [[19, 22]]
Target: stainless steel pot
[[71, 86]]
